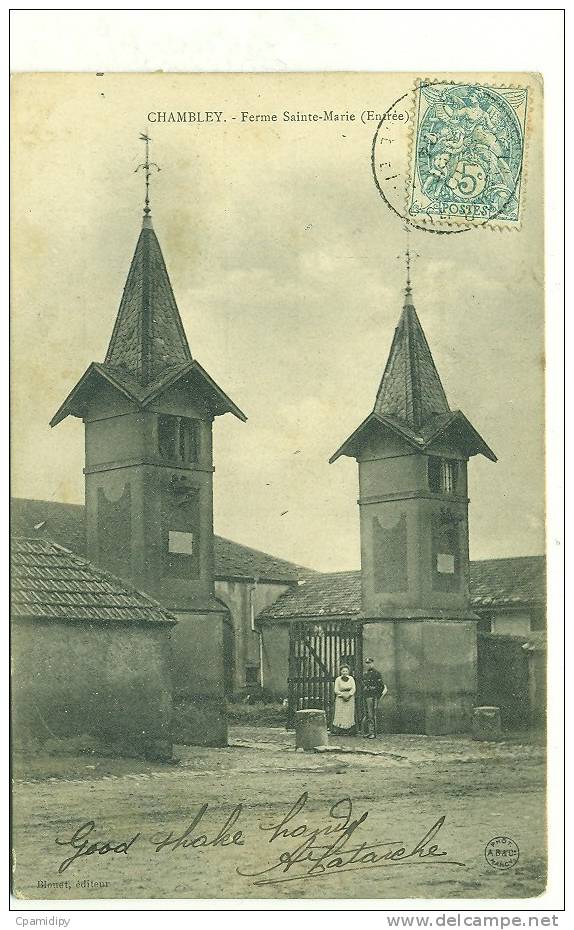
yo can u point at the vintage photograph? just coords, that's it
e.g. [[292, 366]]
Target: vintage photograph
[[278, 600]]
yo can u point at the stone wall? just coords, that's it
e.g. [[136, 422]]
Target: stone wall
[[241, 596], [429, 667], [104, 687], [276, 658], [379, 644], [198, 678], [436, 675]]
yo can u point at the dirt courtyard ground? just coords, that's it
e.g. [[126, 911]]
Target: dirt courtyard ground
[[406, 816]]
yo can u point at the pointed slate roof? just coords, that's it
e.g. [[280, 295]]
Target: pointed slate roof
[[148, 352], [411, 401], [148, 337], [410, 388]]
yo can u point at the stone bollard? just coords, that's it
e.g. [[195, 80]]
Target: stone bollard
[[310, 729], [486, 723]]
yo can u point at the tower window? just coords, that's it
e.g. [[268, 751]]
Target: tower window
[[442, 475], [187, 439], [167, 436], [484, 625], [177, 438]]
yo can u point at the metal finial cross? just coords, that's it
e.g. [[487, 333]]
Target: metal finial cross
[[408, 258], [408, 255], [147, 165]]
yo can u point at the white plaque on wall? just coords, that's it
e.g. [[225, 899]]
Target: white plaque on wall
[[180, 543], [445, 563]]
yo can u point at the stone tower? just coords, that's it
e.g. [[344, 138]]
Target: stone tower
[[148, 412], [412, 452]]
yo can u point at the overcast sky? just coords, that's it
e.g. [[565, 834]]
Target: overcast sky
[[283, 260]]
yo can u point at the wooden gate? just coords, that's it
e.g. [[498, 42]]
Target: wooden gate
[[316, 653]]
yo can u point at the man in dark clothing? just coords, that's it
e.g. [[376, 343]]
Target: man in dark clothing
[[374, 689]]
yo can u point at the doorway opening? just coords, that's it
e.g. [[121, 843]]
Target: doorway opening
[[317, 650]]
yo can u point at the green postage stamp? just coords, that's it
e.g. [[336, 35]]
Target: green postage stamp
[[467, 154]]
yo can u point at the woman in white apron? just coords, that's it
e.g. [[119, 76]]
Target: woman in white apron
[[344, 716]]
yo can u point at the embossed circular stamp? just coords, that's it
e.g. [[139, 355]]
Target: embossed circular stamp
[[459, 162], [501, 852]]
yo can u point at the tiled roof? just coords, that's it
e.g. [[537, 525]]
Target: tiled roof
[[51, 583], [148, 335], [410, 388], [64, 523], [232, 560], [494, 583], [334, 594], [508, 582]]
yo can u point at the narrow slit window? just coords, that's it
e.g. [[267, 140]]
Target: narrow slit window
[[442, 475], [187, 440], [434, 474], [167, 436], [447, 477], [177, 438]]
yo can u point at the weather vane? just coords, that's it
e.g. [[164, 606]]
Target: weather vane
[[147, 165], [408, 255]]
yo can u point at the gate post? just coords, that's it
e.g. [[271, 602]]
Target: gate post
[[291, 682], [310, 729]]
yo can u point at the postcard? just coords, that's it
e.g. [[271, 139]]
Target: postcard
[[278, 623]]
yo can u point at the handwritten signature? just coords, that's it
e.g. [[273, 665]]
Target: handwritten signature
[[326, 850], [300, 849]]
